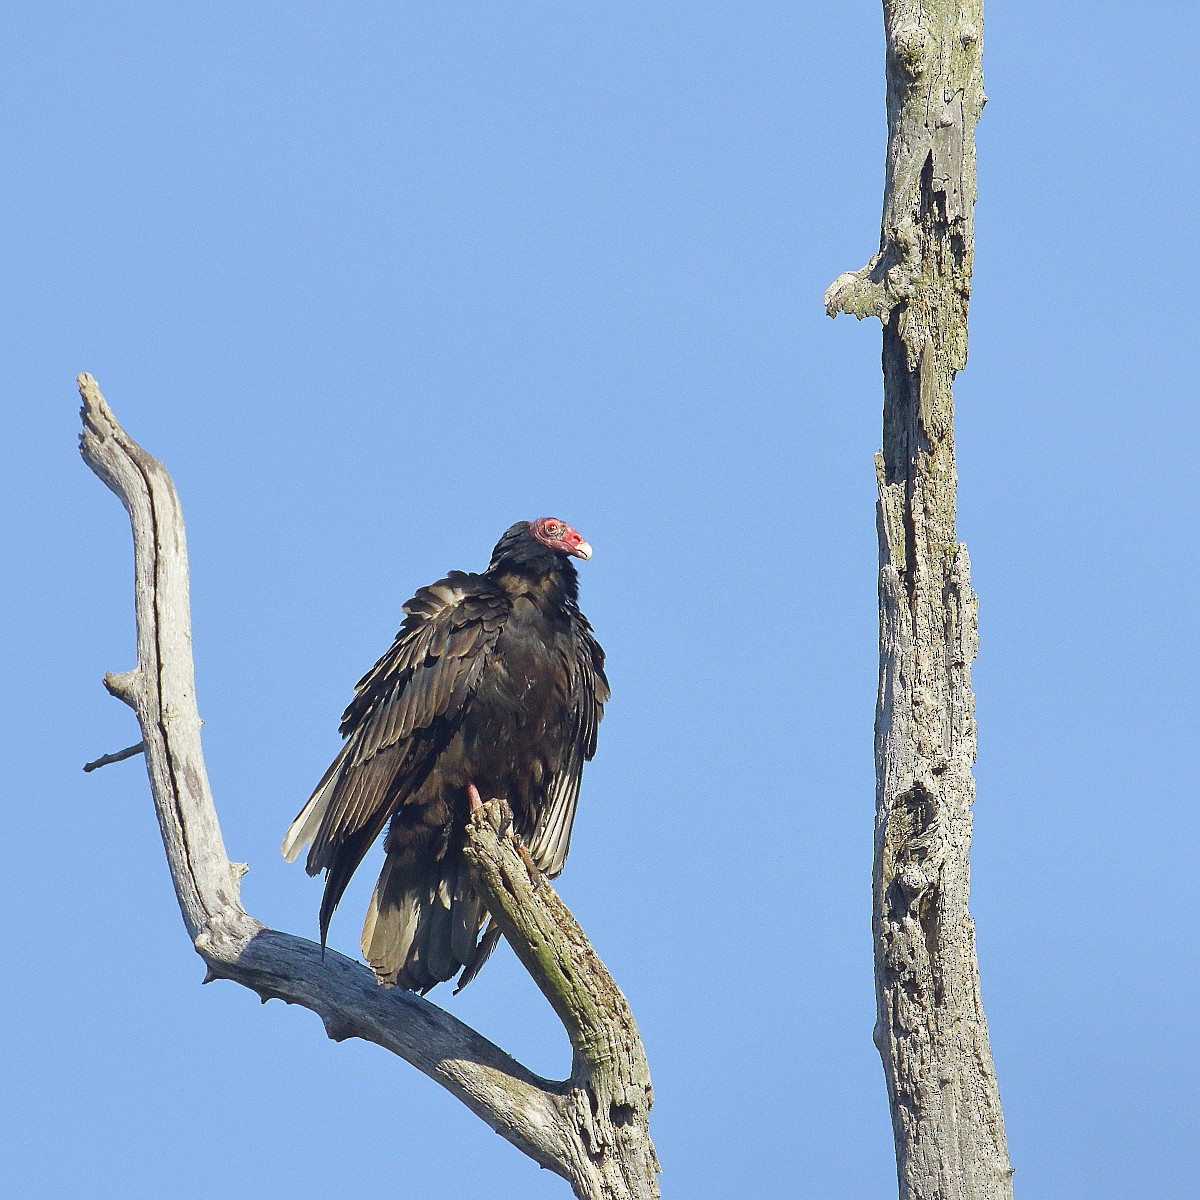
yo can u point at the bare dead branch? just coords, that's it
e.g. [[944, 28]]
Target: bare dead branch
[[931, 1031], [610, 1092], [117, 756], [591, 1128]]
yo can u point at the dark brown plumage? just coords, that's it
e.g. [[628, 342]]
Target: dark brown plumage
[[494, 680]]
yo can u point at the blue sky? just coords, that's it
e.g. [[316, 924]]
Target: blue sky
[[377, 280]]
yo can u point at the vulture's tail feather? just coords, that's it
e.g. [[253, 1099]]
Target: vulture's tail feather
[[422, 924]]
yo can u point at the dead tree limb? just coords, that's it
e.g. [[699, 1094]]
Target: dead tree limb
[[106, 760], [931, 1031], [592, 1128]]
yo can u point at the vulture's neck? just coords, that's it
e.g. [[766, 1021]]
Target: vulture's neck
[[549, 583]]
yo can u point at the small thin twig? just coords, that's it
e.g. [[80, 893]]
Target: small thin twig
[[119, 756]]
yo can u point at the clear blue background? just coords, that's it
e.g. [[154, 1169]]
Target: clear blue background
[[375, 280]]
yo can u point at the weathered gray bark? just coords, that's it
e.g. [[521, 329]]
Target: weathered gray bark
[[592, 1128], [931, 1031]]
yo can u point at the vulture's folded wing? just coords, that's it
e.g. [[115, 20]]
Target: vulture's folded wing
[[404, 711], [587, 689]]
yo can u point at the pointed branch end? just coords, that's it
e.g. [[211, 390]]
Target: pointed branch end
[[90, 394], [489, 819], [337, 1029], [98, 420]]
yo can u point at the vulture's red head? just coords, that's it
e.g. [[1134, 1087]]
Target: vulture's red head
[[559, 536]]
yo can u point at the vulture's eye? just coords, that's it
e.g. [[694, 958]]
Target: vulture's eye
[[554, 530]]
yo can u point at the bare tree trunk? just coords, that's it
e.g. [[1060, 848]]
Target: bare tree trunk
[[931, 1031], [592, 1129]]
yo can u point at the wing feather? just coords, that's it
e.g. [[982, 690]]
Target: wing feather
[[587, 692], [403, 712]]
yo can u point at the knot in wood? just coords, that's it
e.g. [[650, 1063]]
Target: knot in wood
[[910, 47], [913, 881]]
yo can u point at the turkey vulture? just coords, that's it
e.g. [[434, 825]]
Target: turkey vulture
[[494, 683]]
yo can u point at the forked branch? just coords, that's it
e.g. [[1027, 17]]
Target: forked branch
[[592, 1128]]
